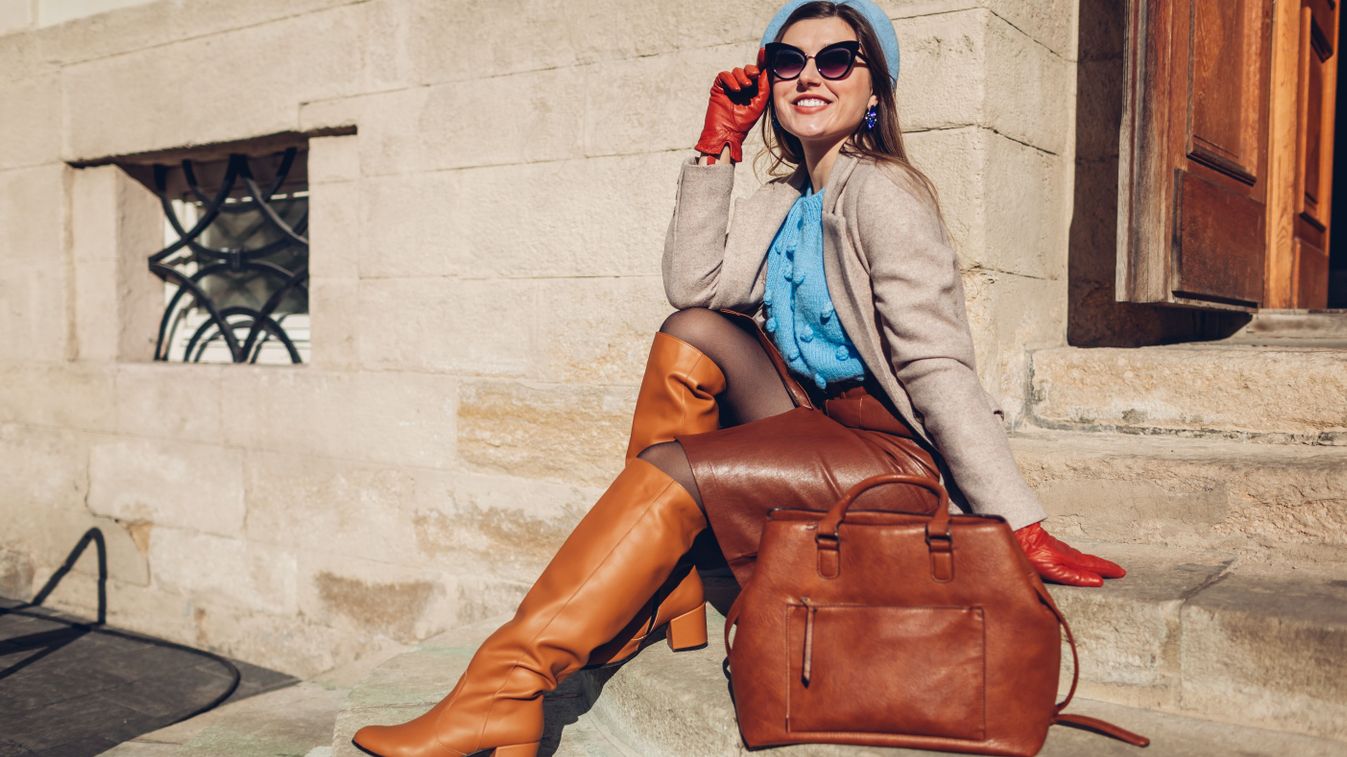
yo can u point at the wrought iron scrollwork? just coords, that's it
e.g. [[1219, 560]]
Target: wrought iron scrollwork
[[249, 251]]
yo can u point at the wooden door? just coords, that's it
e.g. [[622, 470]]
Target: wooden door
[[1305, 68], [1193, 186]]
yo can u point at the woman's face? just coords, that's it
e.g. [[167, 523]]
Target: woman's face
[[815, 109]]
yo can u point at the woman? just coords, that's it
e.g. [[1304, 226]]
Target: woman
[[862, 301]]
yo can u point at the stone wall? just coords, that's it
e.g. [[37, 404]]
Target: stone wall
[[484, 286]]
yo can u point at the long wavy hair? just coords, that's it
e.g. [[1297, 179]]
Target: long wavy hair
[[884, 143]]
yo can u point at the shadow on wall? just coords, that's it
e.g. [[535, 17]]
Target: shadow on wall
[[1094, 318]]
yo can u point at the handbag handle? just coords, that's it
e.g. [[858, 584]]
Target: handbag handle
[[938, 525]]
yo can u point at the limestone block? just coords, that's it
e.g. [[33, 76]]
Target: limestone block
[[65, 395], [332, 159], [170, 400], [654, 102], [1000, 199], [1265, 652], [462, 326], [1129, 636], [169, 483], [237, 83], [43, 488], [97, 330], [283, 642], [596, 329], [335, 231], [216, 570], [333, 318], [413, 225], [307, 504], [150, 25], [35, 194], [52, 12], [16, 574], [1024, 192], [600, 216], [559, 35], [375, 600], [500, 524], [385, 416], [115, 225], [971, 67], [30, 119], [34, 319], [1272, 503], [561, 431], [1280, 394], [1050, 23], [525, 117], [1009, 317], [390, 139], [16, 16]]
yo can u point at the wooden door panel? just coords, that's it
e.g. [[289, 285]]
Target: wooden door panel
[[1213, 217], [1226, 47]]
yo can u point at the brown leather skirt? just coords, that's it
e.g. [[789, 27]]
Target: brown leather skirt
[[803, 458]]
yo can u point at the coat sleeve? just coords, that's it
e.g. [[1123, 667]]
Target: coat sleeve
[[694, 247], [922, 318]]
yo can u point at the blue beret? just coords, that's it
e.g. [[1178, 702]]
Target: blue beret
[[888, 39]]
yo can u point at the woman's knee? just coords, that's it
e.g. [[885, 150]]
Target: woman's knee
[[696, 326]]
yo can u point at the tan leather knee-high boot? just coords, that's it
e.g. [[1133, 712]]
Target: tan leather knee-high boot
[[624, 548], [677, 396]]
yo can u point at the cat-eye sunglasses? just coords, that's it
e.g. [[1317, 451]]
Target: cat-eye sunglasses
[[787, 62]]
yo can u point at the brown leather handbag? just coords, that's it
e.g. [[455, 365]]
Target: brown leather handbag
[[894, 629]]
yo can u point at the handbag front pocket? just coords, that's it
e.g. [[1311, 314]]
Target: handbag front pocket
[[886, 669]]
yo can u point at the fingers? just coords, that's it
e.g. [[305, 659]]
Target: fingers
[[1096, 564], [1062, 573]]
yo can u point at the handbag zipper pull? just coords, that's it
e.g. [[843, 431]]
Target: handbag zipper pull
[[807, 666]]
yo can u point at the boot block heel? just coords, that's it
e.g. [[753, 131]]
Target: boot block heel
[[688, 631], [517, 750]]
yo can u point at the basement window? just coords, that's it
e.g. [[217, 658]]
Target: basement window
[[235, 259]]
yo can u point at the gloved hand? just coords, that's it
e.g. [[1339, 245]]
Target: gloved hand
[[738, 98], [1060, 563]]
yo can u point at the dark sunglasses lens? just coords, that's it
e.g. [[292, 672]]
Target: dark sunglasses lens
[[834, 64], [787, 64]]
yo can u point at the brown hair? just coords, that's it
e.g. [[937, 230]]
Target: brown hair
[[884, 143]]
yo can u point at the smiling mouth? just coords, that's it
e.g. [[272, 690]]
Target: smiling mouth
[[810, 102]]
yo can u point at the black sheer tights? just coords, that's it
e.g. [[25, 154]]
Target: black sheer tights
[[753, 389]]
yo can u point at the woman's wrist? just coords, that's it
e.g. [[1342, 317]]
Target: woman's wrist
[[703, 158]]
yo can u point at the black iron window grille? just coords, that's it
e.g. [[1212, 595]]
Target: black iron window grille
[[236, 259]]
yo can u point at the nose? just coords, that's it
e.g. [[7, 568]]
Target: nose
[[810, 75]]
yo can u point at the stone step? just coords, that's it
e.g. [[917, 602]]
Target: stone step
[[1274, 504], [1186, 649], [1281, 394]]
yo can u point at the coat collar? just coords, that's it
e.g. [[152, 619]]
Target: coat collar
[[756, 221]]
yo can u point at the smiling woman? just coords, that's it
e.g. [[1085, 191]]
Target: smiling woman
[[821, 340]]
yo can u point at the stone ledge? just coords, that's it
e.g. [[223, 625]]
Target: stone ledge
[[1266, 394], [1270, 504], [1130, 642]]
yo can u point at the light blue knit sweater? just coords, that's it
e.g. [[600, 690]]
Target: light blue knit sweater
[[800, 314]]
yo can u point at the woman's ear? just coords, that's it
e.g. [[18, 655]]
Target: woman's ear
[[874, 101]]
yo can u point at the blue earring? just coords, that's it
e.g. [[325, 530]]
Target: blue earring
[[870, 118]]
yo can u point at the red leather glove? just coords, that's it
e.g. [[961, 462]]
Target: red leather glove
[[738, 98], [1060, 563]]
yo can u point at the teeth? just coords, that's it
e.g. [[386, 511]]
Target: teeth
[[809, 102]]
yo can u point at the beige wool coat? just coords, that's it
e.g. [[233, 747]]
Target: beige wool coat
[[895, 284]]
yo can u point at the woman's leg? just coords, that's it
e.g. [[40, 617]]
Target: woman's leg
[[622, 550]]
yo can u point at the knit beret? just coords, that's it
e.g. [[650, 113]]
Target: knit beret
[[883, 27]]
